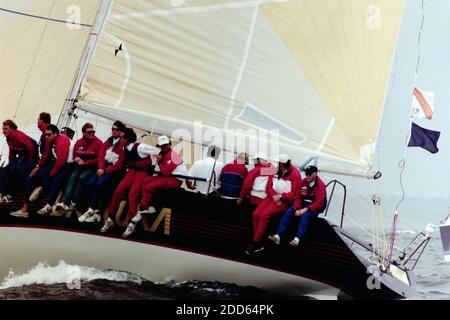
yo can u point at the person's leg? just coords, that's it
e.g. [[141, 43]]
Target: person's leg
[[71, 185], [304, 222], [121, 192], [96, 186], [157, 183], [148, 190], [83, 179], [285, 220], [7, 179], [257, 213], [107, 188], [134, 195], [271, 210], [21, 173], [56, 185]]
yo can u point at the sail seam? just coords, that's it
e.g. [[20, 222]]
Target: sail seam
[[243, 64]]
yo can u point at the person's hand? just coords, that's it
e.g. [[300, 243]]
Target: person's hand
[[34, 171], [298, 213], [239, 201], [80, 162], [278, 203], [100, 172], [276, 198]]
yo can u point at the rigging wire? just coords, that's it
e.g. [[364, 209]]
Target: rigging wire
[[45, 18], [402, 163]]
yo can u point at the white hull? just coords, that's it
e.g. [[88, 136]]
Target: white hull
[[24, 247]]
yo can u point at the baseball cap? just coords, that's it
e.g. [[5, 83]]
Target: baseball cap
[[162, 140], [309, 170]]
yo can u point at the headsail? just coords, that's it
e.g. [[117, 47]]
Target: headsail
[[314, 70]]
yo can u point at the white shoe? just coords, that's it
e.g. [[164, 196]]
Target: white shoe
[[72, 206], [275, 239], [94, 218], [36, 193], [137, 218], [108, 225], [19, 214], [45, 210], [144, 212], [86, 215], [61, 206], [295, 242], [5, 199], [131, 228]]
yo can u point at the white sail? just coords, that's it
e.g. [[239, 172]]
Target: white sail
[[315, 71], [41, 42]]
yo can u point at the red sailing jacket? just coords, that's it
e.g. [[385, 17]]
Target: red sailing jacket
[[236, 167], [57, 150], [288, 182], [262, 170], [88, 150], [168, 162], [316, 194], [118, 153], [20, 144]]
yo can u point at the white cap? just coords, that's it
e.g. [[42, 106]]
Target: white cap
[[162, 140], [260, 155], [283, 158]]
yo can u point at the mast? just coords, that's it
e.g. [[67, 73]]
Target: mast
[[67, 112]]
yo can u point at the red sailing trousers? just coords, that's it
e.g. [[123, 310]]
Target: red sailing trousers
[[261, 216], [131, 184], [154, 184]]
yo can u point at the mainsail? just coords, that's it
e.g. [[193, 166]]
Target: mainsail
[[41, 42], [313, 73]]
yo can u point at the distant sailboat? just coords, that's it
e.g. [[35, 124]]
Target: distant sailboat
[[309, 74]]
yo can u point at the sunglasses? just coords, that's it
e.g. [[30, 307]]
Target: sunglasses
[[90, 132], [115, 129]]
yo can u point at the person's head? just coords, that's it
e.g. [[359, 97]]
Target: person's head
[[43, 120], [8, 127], [310, 173], [88, 131], [242, 158], [260, 158], [213, 152], [51, 132], [164, 143], [129, 136], [117, 129], [68, 132], [284, 162]]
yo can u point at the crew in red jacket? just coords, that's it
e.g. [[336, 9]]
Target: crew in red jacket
[[170, 165], [281, 189], [50, 172], [232, 177], [111, 169], [255, 184], [85, 157], [22, 159], [310, 201], [139, 165], [43, 121]]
